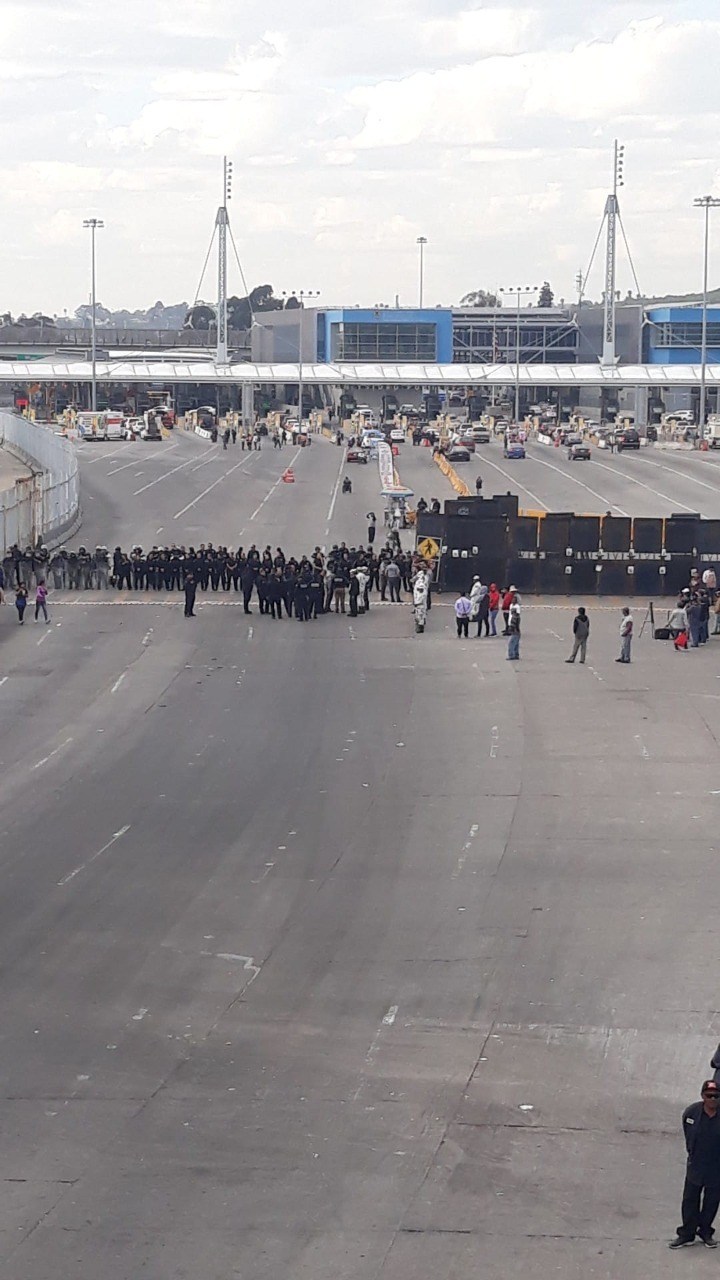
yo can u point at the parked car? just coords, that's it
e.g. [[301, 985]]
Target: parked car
[[579, 450], [458, 453], [514, 449], [629, 438]]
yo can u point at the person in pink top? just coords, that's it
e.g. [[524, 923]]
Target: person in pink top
[[41, 601]]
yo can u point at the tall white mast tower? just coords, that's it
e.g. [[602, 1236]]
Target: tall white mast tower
[[612, 211], [221, 222]]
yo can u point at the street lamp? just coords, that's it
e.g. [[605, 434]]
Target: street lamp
[[517, 291], [93, 224], [422, 241], [301, 295], [707, 203]]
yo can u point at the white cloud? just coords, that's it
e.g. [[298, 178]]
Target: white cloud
[[487, 127]]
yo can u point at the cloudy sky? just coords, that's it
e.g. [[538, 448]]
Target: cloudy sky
[[354, 128]]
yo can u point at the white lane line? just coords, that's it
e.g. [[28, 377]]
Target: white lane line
[[167, 474], [642, 748], [494, 741], [574, 480], [3, 681], [465, 850], [134, 462], [147, 637], [45, 759], [271, 491], [210, 487], [43, 638], [268, 868], [104, 457], [684, 475], [250, 636], [538, 501], [333, 499], [113, 840], [387, 1021], [118, 682], [625, 476]]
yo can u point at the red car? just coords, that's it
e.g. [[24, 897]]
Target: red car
[[356, 455]]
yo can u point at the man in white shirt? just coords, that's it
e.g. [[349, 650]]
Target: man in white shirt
[[626, 634], [463, 609]]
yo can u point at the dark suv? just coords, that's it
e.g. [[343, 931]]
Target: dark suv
[[629, 438]]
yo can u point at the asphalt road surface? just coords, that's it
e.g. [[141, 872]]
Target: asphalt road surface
[[336, 953], [646, 482]]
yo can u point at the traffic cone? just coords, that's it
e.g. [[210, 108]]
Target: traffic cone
[[289, 476]]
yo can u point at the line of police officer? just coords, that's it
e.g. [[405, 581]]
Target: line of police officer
[[308, 585]]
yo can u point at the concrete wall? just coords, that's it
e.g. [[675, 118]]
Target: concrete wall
[[47, 503]]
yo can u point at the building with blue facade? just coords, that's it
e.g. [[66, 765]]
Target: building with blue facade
[[356, 334], [673, 335]]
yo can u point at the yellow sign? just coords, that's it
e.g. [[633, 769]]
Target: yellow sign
[[429, 548]]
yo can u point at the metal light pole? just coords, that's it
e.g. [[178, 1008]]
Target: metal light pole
[[517, 292], [422, 241], [301, 295], [93, 224], [221, 222], [707, 203]]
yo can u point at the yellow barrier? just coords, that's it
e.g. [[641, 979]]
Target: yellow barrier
[[458, 485]]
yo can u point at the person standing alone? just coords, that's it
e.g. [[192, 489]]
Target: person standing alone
[[581, 631], [701, 1192], [463, 609], [41, 601], [190, 588], [626, 635]]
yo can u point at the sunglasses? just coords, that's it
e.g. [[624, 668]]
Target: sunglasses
[[711, 1093]]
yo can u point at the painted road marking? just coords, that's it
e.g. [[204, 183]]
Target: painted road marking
[[626, 476], [118, 682], [167, 449], [538, 501], [573, 478], [3, 681], [117, 835], [333, 499], [271, 491], [465, 850], [45, 759], [243, 462], [167, 474]]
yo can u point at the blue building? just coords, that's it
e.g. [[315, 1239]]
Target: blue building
[[403, 335], [673, 335]]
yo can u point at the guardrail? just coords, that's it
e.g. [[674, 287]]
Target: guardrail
[[458, 485], [45, 504]]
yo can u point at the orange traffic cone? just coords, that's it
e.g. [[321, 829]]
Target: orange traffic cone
[[289, 476]]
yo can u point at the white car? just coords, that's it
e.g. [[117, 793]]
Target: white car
[[397, 435]]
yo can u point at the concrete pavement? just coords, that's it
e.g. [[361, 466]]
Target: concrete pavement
[[333, 951]]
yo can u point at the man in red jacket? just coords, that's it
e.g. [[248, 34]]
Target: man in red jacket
[[509, 598]]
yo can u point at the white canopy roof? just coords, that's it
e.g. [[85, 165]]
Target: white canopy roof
[[359, 375]]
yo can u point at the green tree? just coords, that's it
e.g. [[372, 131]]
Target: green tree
[[546, 297], [479, 298]]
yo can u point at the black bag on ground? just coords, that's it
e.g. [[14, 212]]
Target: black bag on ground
[[662, 633]]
